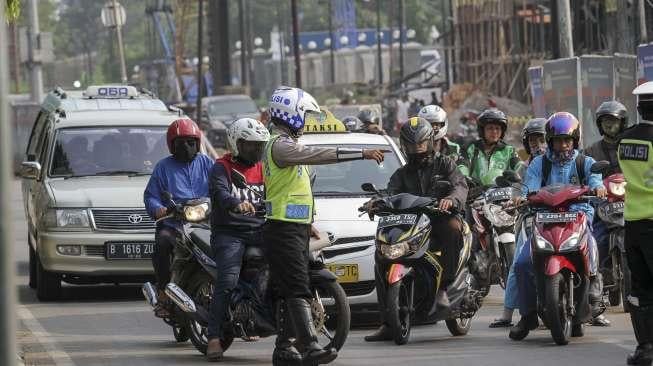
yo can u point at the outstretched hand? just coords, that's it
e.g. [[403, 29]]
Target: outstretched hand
[[375, 154]]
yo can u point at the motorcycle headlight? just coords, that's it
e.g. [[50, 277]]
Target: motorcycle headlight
[[196, 213], [542, 245], [67, 219], [570, 244], [498, 216], [394, 251], [617, 189]]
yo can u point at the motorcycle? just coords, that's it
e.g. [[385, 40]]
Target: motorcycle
[[413, 275], [254, 311], [495, 229], [614, 268], [559, 241]]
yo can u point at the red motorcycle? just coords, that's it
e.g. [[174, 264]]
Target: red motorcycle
[[561, 260]]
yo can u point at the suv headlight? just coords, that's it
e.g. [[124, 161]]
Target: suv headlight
[[67, 219], [570, 244], [196, 213]]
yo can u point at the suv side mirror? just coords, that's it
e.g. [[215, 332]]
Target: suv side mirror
[[238, 179], [369, 187], [600, 166], [30, 170]]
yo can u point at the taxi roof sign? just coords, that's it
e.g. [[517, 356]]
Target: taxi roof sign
[[111, 91], [325, 122]]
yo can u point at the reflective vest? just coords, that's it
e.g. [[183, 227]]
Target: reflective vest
[[636, 162], [287, 190]]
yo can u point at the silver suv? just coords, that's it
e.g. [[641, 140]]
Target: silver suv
[[87, 163]]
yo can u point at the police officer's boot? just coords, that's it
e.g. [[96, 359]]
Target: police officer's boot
[[299, 311], [285, 353], [642, 319]]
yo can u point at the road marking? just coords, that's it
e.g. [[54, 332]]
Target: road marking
[[50, 345]]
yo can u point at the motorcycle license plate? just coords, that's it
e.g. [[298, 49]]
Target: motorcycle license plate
[[346, 273], [614, 207], [394, 220], [117, 250], [555, 217], [499, 194]]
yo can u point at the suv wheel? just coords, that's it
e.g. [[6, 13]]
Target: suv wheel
[[48, 284]]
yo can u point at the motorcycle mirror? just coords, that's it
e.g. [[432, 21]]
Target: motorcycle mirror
[[167, 196], [313, 177], [369, 187], [600, 166], [443, 187], [238, 179], [501, 181], [511, 176]]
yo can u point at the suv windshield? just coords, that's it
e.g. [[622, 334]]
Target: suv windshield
[[231, 107], [346, 178], [107, 151]]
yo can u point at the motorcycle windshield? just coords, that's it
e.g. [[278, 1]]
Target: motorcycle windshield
[[406, 202], [557, 194]]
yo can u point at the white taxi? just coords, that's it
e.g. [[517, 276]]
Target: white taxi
[[338, 194]]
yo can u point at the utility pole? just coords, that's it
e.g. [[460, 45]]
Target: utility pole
[[379, 55], [34, 63], [200, 64], [7, 286], [564, 29], [625, 41], [244, 72], [445, 37], [641, 11], [121, 47], [332, 44], [402, 24], [295, 41], [219, 41]]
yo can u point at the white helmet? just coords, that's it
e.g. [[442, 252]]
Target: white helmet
[[247, 129], [435, 114], [290, 105]]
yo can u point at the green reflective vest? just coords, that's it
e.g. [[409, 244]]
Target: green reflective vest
[[636, 162], [288, 195]]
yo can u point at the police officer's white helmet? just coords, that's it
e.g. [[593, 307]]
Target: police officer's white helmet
[[435, 114], [644, 94], [291, 106]]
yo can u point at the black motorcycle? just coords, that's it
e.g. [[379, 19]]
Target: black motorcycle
[[413, 272]]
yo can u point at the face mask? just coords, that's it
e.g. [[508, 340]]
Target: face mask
[[562, 156], [611, 127], [250, 152], [185, 150], [418, 161], [539, 149]]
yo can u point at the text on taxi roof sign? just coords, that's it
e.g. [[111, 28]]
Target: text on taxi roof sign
[[323, 122], [111, 91]]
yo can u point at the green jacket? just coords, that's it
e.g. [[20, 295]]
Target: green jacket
[[484, 168]]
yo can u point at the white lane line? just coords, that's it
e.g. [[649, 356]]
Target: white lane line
[[50, 345]]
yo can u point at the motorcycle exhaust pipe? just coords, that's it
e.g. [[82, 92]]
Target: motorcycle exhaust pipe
[[179, 297], [149, 292]]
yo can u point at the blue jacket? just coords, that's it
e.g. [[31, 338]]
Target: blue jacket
[[562, 174], [184, 181]]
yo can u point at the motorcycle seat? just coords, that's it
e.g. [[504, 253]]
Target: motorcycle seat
[[202, 238]]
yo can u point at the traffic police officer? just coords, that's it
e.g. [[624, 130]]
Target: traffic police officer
[[636, 161]]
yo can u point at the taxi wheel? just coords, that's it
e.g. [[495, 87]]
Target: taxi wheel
[[32, 266], [48, 284]]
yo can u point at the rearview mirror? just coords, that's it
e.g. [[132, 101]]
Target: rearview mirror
[[369, 187], [599, 167], [238, 179], [30, 170]]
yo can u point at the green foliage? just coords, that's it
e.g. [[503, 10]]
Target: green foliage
[[12, 10]]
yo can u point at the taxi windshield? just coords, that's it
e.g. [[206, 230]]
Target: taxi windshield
[[231, 107], [345, 178], [107, 151]]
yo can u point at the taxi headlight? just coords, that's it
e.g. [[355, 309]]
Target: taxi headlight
[[394, 251], [570, 244], [67, 219], [196, 213]]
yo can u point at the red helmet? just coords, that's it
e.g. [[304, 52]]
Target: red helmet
[[184, 127]]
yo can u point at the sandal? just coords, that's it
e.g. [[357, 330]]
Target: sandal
[[250, 338], [501, 323]]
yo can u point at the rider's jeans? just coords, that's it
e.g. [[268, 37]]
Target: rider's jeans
[[510, 298], [228, 249], [164, 238], [523, 268]]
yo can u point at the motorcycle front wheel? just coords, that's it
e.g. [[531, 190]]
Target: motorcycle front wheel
[[508, 256], [181, 333], [399, 303], [625, 283], [332, 321], [556, 298], [458, 326]]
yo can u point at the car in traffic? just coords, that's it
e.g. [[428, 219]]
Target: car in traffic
[[338, 195], [87, 163], [219, 111]]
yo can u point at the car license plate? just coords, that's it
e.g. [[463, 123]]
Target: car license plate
[[614, 207], [394, 220], [116, 250], [555, 217], [346, 273]]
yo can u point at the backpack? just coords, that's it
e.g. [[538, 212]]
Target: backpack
[[580, 169]]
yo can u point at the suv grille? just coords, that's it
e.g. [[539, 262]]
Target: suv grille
[[123, 220]]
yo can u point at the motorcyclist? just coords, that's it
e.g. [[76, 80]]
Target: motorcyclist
[[562, 164], [289, 205], [185, 175], [353, 124], [371, 122], [534, 142], [636, 162], [425, 167], [487, 157], [611, 120], [437, 117], [233, 223]]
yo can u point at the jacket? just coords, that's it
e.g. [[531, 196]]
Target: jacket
[[602, 150]]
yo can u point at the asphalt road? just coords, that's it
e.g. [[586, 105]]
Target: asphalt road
[[111, 325]]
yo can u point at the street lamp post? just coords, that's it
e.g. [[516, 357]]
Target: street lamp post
[[379, 56], [121, 48], [295, 39], [200, 55], [332, 44], [113, 15]]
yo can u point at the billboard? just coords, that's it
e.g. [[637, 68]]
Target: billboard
[[625, 67], [561, 86], [644, 63], [596, 79], [537, 91]]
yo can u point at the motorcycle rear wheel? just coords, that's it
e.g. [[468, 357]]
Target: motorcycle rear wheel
[[202, 293], [625, 283], [558, 319], [332, 319], [399, 310]]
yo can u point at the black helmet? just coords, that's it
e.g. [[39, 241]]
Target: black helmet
[[612, 108], [416, 130], [368, 116], [533, 127], [492, 115], [353, 124]]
